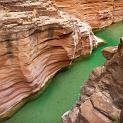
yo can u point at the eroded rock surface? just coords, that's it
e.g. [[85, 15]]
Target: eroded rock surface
[[36, 41], [98, 13], [101, 97]]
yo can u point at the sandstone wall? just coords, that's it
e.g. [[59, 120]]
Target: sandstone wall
[[98, 13], [36, 41]]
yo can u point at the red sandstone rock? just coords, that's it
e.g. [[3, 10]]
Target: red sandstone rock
[[98, 13], [36, 41]]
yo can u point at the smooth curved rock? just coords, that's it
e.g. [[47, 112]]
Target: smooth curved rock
[[36, 41]]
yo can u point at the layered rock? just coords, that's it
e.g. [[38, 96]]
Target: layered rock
[[98, 13], [36, 41], [101, 97]]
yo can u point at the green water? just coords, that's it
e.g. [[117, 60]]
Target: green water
[[64, 90]]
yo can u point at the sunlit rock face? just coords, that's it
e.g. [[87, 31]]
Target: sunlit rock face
[[98, 13], [101, 98], [36, 41]]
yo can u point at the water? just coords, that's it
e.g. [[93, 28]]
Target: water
[[64, 90]]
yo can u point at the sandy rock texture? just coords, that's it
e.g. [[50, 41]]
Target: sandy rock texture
[[36, 41], [101, 97], [98, 13]]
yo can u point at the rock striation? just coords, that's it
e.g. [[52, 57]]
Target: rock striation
[[98, 13], [36, 41], [101, 98]]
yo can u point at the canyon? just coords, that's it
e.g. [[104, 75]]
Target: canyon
[[41, 37], [36, 41]]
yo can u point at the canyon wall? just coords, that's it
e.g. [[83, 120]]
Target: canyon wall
[[40, 37], [98, 13], [36, 41], [101, 98]]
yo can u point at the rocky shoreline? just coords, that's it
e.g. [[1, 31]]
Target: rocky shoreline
[[101, 98]]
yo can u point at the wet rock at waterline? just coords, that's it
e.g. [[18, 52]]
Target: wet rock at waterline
[[101, 98], [36, 41]]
